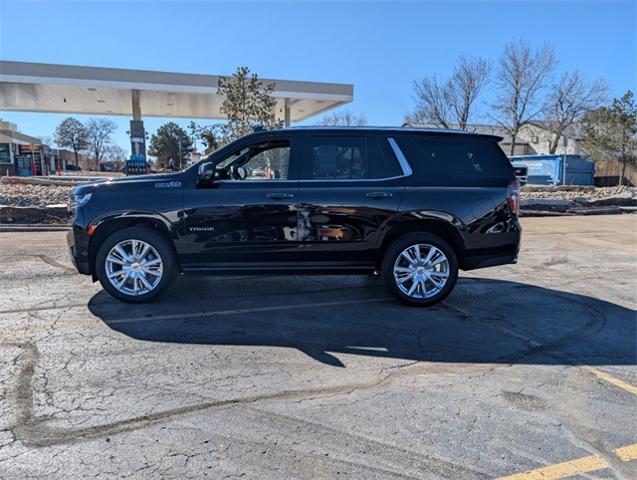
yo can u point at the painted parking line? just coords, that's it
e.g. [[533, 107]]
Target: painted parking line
[[610, 379], [240, 311], [185, 316], [578, 466]]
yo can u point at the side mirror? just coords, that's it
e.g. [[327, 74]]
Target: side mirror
[[206, 173]]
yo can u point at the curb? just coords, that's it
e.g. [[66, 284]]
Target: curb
[[26, 227], [577, 211]]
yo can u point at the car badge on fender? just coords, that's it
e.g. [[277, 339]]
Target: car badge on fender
[[173, 184]]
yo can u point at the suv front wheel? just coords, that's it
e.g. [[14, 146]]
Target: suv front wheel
[[135, 265], [420, 268]]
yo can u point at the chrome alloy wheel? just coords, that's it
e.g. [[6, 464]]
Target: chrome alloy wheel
[[133, 267], [421, 271]]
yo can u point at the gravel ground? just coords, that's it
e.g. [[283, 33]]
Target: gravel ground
[[576, 193], [33, 195]]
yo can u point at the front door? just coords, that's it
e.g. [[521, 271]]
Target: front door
[[246, 217], [350, 186]]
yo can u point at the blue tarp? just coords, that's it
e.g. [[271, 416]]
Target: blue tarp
[[548, 169]]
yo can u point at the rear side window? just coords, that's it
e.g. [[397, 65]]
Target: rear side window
[[334, 158], [347, 157], [381, 159], [456, 157]]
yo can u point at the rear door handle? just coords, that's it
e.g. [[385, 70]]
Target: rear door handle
[[280, 196], [379, 195]]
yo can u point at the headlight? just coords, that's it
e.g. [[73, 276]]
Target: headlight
[[79, 199]]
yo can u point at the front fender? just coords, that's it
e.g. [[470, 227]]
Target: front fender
[[130, 216]]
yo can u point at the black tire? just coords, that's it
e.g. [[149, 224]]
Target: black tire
[[154, 239], [405, 241]]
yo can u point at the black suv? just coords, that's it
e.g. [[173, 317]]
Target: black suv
[[414, 205]]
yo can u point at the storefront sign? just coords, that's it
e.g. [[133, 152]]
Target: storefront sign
[[29, 148]]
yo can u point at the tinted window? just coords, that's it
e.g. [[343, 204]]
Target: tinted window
[[334, 158], [381, 159], [458, 157], [347, 158]]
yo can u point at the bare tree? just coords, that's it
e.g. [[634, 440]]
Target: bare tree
[[521, 78], [345, 118], [449, 103], [431, 106], [568, 101], [469, 78], [114, 153], [99, 136]]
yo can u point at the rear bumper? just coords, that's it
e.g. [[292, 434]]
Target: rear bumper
[[77, 242], [483, 261], [495, 249]]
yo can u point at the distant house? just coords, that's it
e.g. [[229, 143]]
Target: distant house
[[533, 138]]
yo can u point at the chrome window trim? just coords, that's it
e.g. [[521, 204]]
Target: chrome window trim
[[267, 182], [256, 181], [313, 180], [404, 164]]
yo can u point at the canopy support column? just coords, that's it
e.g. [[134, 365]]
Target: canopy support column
[[137, 163], [286, 114]]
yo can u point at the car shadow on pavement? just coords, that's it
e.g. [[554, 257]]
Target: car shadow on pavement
[[483, 321]]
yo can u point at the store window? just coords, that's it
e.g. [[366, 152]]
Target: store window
[[5, 154]]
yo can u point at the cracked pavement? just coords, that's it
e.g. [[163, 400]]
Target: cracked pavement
[[323, 377]]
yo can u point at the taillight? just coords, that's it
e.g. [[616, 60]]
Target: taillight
[[513, 196]]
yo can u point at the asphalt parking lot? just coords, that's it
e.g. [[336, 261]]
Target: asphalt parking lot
[[527, 371]]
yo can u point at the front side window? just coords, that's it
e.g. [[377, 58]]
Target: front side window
[[269, 164], [263, 161]]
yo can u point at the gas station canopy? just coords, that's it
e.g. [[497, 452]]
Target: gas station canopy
[[39, 87]]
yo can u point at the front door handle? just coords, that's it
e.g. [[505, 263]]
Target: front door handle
[[280, 196], [379, 195]]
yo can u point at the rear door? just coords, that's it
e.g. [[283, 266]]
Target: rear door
[[350, 185]]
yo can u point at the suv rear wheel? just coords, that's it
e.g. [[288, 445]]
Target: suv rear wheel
[[135, 265], [420, 268]]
